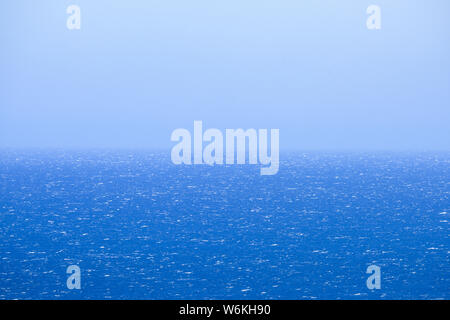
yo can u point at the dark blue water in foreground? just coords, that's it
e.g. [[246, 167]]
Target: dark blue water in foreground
[[140, 227]]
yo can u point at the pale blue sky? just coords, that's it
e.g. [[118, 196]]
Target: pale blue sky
[[139, 69]]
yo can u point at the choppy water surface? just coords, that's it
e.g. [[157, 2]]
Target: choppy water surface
[[140, 227]]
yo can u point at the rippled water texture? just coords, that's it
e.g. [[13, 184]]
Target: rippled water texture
[[140, 227]]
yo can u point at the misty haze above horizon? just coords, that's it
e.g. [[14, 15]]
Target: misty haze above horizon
[[137, 70]]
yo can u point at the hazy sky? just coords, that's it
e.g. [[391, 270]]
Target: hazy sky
[[138, 69]]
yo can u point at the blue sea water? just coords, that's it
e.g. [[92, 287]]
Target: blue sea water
[[140, 227]]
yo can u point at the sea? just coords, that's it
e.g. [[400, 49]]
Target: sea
[[140, 227]]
